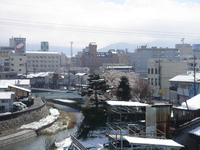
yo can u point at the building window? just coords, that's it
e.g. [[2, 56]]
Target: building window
[[12, 64], [156, 71], [151, 81], [156, 81], [151, 70], [148, 70], [20, 59], [20, 69]]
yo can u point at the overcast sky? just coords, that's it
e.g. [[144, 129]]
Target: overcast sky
[[102, 21]]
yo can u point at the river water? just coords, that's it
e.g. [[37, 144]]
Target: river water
[[38, 143]]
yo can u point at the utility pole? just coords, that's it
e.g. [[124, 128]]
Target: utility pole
[[194, 70], [70, 62]]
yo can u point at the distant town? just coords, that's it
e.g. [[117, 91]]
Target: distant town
[[170, 102]]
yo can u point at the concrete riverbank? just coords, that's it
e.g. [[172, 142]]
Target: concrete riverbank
[[10, 123]]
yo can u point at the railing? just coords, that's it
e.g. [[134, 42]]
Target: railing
[[76, 144]]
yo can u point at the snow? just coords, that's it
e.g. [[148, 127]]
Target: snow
[[192, 103], [94, 142], [126, 103], [186, 78], [195, 131], [152, 141], [54, 114], [65, 100]]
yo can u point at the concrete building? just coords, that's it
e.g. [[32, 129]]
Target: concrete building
[[18, 63], [184, 86], [6, 101], [44, 46], [93, 59], [159, 73], [143, 54], [39, 61]]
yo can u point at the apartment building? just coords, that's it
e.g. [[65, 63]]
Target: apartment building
[[41, 61], [159, 73], [143, 54], [93, 59]]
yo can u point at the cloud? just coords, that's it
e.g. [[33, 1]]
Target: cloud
[[102, 21]]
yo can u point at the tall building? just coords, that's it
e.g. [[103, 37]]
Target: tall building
[[143, 54], [159, 73], [93, 59], [44, 46], [39, 61]]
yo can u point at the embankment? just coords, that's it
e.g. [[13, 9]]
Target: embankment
[[9, 123]]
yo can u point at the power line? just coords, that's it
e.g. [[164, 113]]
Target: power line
[[102, 30]]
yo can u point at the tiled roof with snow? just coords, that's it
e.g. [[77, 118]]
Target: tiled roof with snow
[[186, 78], [192, 103]]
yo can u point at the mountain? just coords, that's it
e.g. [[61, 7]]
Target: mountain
[[122, 45]]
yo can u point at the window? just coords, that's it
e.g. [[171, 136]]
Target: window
[[156, 81], [156, 71], [20, 59], [151, 70], [151, 81], [148, 70], [20, 69], [12, 64]]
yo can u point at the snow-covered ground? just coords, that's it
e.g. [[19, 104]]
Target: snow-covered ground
[[54, 114], [95, 141]]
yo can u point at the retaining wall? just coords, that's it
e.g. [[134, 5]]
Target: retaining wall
[[17, 119], [17, 137]]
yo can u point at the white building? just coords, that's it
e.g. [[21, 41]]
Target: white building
[[6, 101], [40, 61], [159, 73]]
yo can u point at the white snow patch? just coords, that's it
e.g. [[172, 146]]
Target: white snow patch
[[54, 114]]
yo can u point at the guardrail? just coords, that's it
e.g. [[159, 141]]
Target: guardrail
[[76, 144]]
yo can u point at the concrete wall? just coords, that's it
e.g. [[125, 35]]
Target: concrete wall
[[17, 119]]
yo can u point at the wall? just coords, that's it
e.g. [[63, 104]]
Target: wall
[[17, 119]]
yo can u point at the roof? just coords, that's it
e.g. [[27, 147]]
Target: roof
[[80, 74], [16, 82], [6, 95], [17, 87], [186, 78], [192, 103], [39, 74], [126, 103], [152, 141], [41, 52], [195, 131]]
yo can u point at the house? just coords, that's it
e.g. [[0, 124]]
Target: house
[[6, 101], [183, 87]]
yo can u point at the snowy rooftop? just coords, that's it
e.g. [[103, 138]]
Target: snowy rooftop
[[186, 78], [192, 103], [125, 103], [41, 52], [15, 82], [195, 131], [152, 141], [20, 88], [39, 74]]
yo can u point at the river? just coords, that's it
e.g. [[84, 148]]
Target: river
[[38, 143]]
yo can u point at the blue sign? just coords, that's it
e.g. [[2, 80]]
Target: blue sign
[[20, 39]]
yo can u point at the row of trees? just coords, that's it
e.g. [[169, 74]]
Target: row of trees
[[115, 85]]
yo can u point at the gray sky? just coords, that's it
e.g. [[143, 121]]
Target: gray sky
[[101, 21]]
